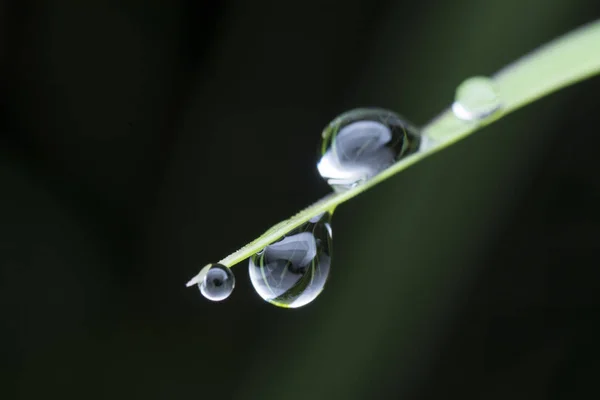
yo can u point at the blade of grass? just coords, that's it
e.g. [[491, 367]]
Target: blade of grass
[[562, 62]]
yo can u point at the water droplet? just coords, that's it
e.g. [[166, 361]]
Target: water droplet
[[476, 98], [218, 282], [292, 272], [360, 143]]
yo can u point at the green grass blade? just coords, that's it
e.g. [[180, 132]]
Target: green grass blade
[[562, 62]]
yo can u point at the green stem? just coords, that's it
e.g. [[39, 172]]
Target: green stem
[[562, 62]]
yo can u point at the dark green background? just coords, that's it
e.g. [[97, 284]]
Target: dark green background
[[140, 140]]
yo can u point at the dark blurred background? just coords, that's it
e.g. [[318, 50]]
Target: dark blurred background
[[140, 140]]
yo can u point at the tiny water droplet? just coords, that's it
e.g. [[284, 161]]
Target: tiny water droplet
[[292, 272], [218, 282], [476, 98], [360, 143]]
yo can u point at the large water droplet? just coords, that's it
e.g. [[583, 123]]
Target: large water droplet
[[218, 282], [292, 272], [476, 98], [359, 144]]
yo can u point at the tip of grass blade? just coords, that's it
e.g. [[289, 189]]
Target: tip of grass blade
[[193, 281], [199, 277]]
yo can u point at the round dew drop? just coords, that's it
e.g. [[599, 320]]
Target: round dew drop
[[476, 99], [218, 282], [292, 272], [360, 143]]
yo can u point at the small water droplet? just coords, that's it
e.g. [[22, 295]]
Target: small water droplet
[[218, 282], [292, 272], [476, 98], [360, 143]]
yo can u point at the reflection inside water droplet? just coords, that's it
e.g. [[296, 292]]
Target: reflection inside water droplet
[[218, 282], [359, 144], [292, 272], [476, 98]]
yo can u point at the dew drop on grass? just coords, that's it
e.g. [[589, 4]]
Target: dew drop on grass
[[476, 99], [360, 143], [292, 272], [218, 282]]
